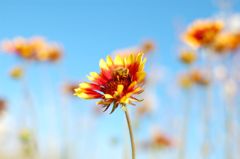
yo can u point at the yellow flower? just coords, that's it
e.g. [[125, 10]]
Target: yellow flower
[[202, 33], [188, 57], [185, 81], [16, 72], [226, 42], [117, 83], [25, 135]]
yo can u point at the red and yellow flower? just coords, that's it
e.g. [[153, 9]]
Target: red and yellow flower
[[202, 32], [117, 83]]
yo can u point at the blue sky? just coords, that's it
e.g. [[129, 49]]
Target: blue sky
[[90, 30]]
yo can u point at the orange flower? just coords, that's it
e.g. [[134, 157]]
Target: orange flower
[[199, 77], [188, 57], [147, 47], [202, 33], [55, 54], [226, 42], [35, 48], [117, 83], [160, 140]]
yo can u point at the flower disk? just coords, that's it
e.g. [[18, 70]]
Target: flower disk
[[117, 83], [202, 33]]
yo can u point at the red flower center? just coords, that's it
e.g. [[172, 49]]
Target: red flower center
[[119, 77]]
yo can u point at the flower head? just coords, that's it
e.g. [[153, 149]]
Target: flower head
[[25, 135], [35, 48], [202, 32], [3, 105], [188, 56], [185, 81], [226, 42], [160, 140], [148, 47], [117, 83], [200, 77], [16, 72]]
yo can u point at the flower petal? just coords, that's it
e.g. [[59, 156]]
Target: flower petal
[[118, 61], [103, 65]]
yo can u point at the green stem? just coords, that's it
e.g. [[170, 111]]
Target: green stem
[[130, 133]]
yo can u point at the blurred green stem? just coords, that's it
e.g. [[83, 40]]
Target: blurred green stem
[[187, 107]]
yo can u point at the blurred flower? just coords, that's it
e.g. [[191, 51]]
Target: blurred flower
[[28, 142], [35, 48], [199, 77], [202, 32], [185, 81], [3, 105], [147, 106], [51, 53], [25, 136], [117, 83], [55, 54], [226, 42], [16, 72], [188, 56], [147, 47], [159, 140]]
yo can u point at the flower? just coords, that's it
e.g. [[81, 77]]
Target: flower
[[188, 56], [147, 46], [159, 140], [202, 32], [185, 81], [25, 135], [199, 77], [16, 72], [226, 42], [117, 83], [35, 48], [2, 105]]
